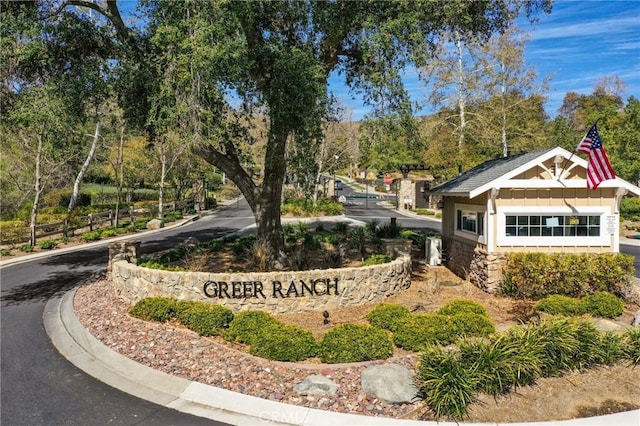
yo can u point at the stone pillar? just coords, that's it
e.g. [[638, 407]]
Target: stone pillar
[[123, 250], [406, 195]]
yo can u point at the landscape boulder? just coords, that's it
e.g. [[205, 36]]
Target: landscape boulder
[[316, 385], [155, 224], [392, 383]]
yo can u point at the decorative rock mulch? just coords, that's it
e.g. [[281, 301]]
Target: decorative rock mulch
[[181, 352]]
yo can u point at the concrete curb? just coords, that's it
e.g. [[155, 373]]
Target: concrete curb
[[83, 350]]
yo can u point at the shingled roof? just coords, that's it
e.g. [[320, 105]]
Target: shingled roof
[[484, 173]]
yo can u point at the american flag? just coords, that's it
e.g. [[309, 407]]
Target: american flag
[[598, 168]]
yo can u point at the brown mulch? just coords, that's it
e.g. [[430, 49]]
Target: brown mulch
[[180, 352]]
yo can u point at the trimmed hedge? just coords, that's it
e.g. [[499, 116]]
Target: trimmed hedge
[[462, 306], [388, 316], [355, 343], [281, 342], [246, 326], [159, 309], [599, 304], [417, 332], [204, 319], [537, 275]]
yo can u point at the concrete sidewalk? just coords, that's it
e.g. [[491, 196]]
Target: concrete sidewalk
[[83, 350]]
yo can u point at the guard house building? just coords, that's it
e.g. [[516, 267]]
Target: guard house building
[[533, 202]]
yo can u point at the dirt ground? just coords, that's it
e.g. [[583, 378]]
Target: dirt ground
[[599, 391]]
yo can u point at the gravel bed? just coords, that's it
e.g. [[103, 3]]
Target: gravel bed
[[181, 352]]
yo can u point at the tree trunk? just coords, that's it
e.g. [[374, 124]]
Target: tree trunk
[[461, 92], [87, 162], [120, 173], [38, 192], [163, 172]]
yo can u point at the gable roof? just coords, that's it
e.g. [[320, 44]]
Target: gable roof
[[496, 173]]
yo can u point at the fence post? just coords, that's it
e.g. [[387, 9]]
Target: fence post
[[131, 215], [90, 216], [111, 218], [65, 228], [32, 237]]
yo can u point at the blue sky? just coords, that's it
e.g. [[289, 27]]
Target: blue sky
[[579, 43]]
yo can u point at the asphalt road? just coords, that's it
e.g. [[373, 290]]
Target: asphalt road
[[39, 387]]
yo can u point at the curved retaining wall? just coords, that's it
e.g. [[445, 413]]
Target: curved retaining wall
[[275, 292]]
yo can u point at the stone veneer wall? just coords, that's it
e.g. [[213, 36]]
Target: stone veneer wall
[[275, 292], [482, 269]]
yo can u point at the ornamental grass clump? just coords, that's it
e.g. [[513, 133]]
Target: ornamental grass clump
[[355, 343], [447, 383], [631, 345]]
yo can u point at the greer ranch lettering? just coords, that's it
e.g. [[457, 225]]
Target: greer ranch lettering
[[274, 289]]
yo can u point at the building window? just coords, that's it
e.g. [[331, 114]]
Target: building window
[[470, 221], [552, 226]]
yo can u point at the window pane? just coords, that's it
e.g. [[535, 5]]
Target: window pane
[[581, 231], [558, 231], [480, 223], [594, 232], [511, 220], [523, 220], [534, 220], [534, 231], [523, 231], [546, 231], [570, 231], [511, 231]]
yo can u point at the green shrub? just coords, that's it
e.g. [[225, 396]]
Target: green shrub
[[205, 319], [447, 384], [417, 332], [537, 275], [242, 244], [631, 345], [90, 236], [472, 324], [47, 244], [26, 248], [376, 259], [388, 316], [557, 304], [160, 309], [603, 304], [456, 307], [216, 245], [246, 326], [5, 252], [282, 342], [152, 264], [630, 208], [174, 255], [355, 343], [108, 233], [418, 239]]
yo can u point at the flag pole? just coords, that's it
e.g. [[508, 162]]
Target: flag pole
[[574, 151]]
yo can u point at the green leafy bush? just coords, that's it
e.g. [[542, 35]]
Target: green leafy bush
[[537, 275], [159, 309], [603, 304], [376, 259], [355, 343], [417, 332], [557, 304], [90, 236], [472, 324], [26, 248], [153, 264], [246, 326], [388, 316], [108, 233], [630, 208], [418, 239], [281, 342], [47, 244], [5, 252], [456, 307], [205, 319]]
